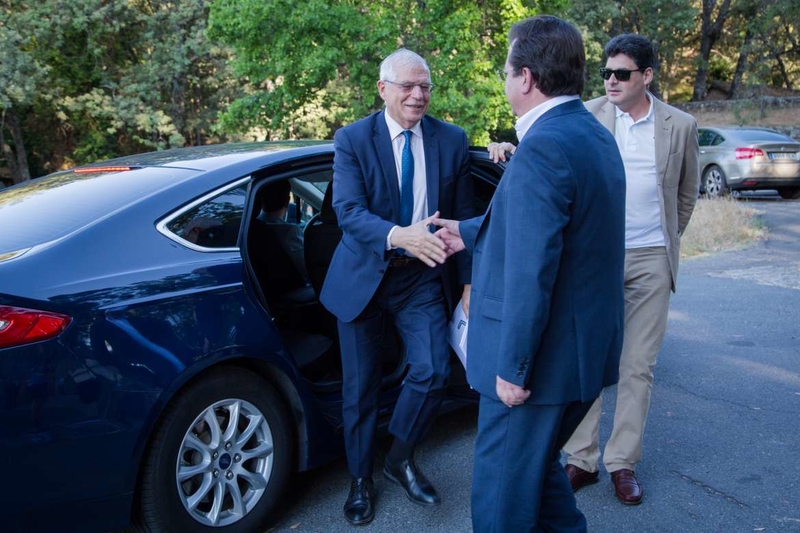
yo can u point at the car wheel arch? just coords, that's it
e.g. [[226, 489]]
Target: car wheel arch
[[273, 376], [204, 382], [292, 403]]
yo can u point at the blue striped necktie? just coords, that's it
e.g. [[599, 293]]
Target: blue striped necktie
[[407, 182]]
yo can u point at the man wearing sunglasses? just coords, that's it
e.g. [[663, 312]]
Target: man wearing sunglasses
[[658, 144]]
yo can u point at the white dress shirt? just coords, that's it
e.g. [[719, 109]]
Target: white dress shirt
[[420, 177]]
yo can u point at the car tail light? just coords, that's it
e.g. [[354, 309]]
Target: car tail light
[[22, 326], [749, 153]]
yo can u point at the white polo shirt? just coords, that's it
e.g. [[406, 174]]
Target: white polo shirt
[[636, 142]]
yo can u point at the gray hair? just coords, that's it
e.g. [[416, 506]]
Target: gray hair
[[398, 59]]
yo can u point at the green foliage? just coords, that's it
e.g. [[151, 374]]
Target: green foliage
[[669, 24], [92, 79], [324, 59], [116, 76]]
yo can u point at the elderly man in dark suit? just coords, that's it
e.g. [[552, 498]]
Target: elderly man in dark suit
[[546, 313], [393, 171]]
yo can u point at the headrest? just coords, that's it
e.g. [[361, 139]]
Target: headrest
[[326, 213]]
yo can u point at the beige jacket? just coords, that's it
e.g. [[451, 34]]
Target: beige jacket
[[676, 165]]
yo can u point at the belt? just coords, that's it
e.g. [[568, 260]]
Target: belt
[[397, 261]]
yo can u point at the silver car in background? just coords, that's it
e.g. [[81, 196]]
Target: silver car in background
[[735, 159]]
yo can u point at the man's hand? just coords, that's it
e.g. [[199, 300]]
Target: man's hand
[[449, 234], [465, 299], [417, 240], [497, 151], [511, 394], [454, 244]]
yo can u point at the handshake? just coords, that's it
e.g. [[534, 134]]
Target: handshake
[[430, 248]]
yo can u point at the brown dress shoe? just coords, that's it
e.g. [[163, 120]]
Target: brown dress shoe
[[579, 478], [627, 487]]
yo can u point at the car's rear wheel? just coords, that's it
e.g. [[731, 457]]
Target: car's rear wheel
[[714, 182], [789, 193], [220, 458]]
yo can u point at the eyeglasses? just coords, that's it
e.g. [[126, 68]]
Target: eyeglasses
[[408, 87], [622, 74], [502, 74]]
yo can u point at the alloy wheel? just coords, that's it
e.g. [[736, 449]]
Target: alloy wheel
[[225, 462]]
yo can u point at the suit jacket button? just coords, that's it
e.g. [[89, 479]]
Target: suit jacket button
[[381, 271]]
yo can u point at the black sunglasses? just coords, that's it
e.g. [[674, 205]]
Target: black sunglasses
[[622, 74]]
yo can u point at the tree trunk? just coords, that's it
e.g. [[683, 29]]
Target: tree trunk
[[8, 153], [709, 34], [741, 65], [17, 157]]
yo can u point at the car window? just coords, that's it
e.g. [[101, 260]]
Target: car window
[[307, 194], [717, 140], [213, 223], [704, 137]]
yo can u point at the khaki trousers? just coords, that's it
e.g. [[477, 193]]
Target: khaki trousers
[[647, 292]]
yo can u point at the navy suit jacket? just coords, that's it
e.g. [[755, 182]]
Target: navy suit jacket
[[547, 307], [366, 198]]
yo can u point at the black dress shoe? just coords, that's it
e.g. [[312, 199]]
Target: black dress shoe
[[407, 475], [358, 509]]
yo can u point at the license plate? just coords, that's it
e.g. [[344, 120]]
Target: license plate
[[783, 155]]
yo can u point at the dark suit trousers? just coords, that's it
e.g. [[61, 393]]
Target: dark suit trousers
[[412, 296], [518, 483]]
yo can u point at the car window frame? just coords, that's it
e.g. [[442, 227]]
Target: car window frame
[[161, 225]]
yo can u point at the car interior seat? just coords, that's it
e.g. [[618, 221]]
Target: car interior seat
[[292, 302], [321, 236]]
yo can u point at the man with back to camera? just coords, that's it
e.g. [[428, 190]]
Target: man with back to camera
[[659, 147], [546, 310], [393, 170]]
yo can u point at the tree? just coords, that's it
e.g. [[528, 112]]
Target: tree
[[20, 74], [91, 79], [712, 20], [314, 69], [668, 24]]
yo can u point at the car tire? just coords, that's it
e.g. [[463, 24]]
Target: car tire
[[222, 489], [789, 193], [714, 183]]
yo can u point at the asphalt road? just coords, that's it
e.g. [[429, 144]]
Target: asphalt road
[[723, 436]]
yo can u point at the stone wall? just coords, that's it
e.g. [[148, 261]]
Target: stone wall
[[779, 113]]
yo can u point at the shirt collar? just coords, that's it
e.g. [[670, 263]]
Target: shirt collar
[[650, 111], [525, 122], [396, 129]]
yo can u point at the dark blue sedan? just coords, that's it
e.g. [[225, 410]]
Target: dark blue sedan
[[159, 361]]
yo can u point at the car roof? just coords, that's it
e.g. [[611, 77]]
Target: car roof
[[749, 133], [208, 157], [50, 207]]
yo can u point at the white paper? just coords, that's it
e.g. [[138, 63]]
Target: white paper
[[457, 333]]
